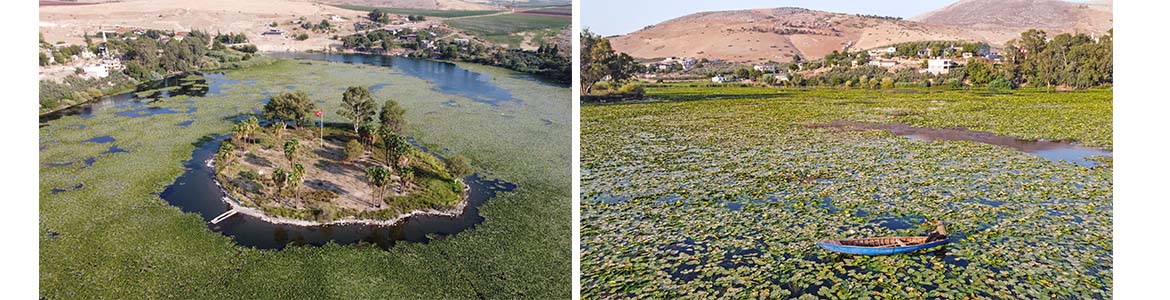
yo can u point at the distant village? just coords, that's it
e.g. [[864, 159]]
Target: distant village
[[924, 60]]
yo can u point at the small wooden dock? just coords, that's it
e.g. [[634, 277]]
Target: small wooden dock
[[224, 216]]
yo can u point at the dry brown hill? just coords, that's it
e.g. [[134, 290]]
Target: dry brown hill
[[779, 34], [993, 17]]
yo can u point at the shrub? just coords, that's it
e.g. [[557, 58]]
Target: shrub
[[353, 150], [887, 83], [632, 89], [1000, 84], [601, 86]]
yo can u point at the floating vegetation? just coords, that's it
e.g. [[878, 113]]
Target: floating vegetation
[[715, 198], [119, 240]]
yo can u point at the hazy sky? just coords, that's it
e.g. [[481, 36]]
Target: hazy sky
[[611, 17]]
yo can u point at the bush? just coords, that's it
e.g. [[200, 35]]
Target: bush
[[955, 84], [887, 83], [601, 86], [632, 89], [302, 36], [353, 150], [1000, 84]]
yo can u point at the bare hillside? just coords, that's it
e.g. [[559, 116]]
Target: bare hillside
[[1018, 15], [779, 34]]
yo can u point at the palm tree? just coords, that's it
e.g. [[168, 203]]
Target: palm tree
[[250, 126], [296, 178], [378, 177], [279, 179], [407, 175], [290, 150]]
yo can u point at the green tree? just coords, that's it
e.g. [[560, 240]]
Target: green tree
[[598, 62], [296, 178], [459, 166], [394, 148], [406, 175], [44, 59], [377, 15], [357, 106], [226, 155], [295, 107], [393, 116], [290, 150], [279, 180], [978, 72], [377, 177]]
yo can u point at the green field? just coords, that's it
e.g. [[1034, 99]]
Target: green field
[[503, 28], [114, 238], [710, 192], [421, 12]]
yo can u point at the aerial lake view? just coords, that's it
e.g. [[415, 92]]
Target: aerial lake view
[[132, 178]]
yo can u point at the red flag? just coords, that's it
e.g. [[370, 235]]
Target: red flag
[[318, 113]]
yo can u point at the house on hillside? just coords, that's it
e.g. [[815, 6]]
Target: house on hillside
[[882, 51], [924, 52], [718, 79], [273, 31], [463, 42], [940, 66], [884, 63], [96, 71], [765, 68]]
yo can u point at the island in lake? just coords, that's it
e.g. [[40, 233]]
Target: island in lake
[[288, 169]]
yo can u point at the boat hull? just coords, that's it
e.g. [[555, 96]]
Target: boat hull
[[858, 248]]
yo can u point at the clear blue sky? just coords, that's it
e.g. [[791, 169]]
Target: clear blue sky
[[612, 17]]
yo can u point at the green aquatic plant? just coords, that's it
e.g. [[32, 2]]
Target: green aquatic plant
[[710, 192], [116, 238]]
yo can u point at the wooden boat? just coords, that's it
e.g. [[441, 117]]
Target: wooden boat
[[880, 245]]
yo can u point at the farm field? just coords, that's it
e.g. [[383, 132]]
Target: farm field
[[509, 28], [421, 12], [106, 233], [709, 192]]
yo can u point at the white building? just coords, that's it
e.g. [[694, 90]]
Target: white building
[[882, 51], [781, 77], [940, 66], [718, 79], [461, 41], [968, 55], [883, 63], [765, 68], [96, 71]]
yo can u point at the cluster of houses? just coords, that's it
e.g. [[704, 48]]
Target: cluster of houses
[[667, 63], [765, 68]]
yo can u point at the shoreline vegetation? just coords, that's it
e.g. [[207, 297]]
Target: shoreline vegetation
[[1034, 61], [284, 168], [134, 61]]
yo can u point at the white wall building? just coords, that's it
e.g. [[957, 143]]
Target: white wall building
[[940, 66]]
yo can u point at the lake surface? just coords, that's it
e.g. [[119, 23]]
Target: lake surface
[[196, 192], [447, 77]]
